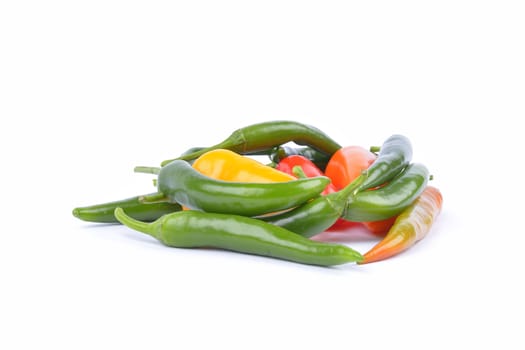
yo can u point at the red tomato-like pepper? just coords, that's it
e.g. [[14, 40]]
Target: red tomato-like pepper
[[347, 163], [345, 166]]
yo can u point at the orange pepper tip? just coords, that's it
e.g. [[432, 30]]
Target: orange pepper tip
[[385, 249]]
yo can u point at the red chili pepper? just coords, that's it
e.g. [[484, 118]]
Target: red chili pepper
[[411, 226], [287, 164]]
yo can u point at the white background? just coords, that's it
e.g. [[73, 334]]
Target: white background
[[90, 89]]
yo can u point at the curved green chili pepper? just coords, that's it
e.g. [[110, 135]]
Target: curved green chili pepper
[[181, 183], [389, 200], [266, 135], [193, 229], [136, 208], [320, 159], [316, 215], [395, 155]]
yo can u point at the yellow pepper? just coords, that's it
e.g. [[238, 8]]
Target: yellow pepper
[[226, 165]]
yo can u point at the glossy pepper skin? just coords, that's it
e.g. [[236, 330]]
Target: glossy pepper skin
[[266, 135], [347, 164], [412, 225], [389, 200], [395, 155], [317, 215], [104, 212], [182, 184], [193, 229], [227, 165]]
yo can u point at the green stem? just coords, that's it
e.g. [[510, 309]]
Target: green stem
[[147, 170], [375, 149], [350, 190], [140, 226], [299, 172]]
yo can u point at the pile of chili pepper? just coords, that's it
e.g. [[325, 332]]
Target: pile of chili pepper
[[222, 197]]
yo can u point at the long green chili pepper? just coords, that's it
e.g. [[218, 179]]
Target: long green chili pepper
[[266, 135], [193, 229], [320, 159], [181, 183], [395, 155], [389, 200], [103, 212]]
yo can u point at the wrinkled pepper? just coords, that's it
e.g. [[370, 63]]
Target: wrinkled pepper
[[412, 225]]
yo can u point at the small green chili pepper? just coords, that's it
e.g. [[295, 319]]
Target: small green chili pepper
[[136, 208], [193, 229], [266, 135], [179, 182], [389, 200], [395, 155]]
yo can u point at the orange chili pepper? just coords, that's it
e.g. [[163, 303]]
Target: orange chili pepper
[[411, 226]]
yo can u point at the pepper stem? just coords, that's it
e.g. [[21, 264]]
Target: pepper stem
[[144, 227], [299, 172], [351, 189], [147, 170], [375, 149]]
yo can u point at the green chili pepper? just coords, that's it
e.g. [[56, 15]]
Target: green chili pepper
[[395, 155], [181, 183], [389, 200], [264, 136], [193, 229], [320, 159], [316, 215], [103, 213]]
